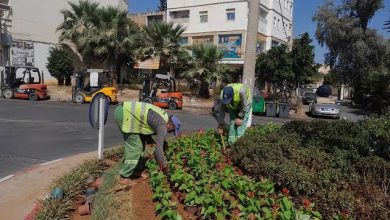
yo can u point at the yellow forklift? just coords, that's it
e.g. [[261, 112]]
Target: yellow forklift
[[92, 82]]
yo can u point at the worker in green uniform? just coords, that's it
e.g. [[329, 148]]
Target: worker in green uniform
[[138, 121], [235, 98]]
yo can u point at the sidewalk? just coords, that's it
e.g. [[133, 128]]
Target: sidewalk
[[18, 194]]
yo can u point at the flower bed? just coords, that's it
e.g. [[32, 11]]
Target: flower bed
[[343, 167], [203, 179]]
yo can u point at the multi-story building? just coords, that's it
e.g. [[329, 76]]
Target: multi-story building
[[224, 23], [147, 18], [33, 25]]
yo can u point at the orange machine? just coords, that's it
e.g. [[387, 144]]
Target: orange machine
[[168, 98], [25, 83]]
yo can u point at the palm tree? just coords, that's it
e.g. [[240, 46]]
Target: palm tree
[[78, 21], [101, 34], [206, 67], [163, 40], [387, 25], [112, 38]]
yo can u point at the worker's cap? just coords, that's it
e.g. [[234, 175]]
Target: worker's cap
[[176, 122], [227, 95]]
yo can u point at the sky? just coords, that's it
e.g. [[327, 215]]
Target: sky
[[303, 13]]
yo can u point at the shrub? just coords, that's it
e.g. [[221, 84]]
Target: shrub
[[341, 166]]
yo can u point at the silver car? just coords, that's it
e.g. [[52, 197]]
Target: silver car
[[324, 109]]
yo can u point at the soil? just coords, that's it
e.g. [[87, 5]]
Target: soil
[[142, 203]]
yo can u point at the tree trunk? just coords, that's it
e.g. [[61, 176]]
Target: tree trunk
[[204, 90], [250, 48], [67, 81], [60, 81]]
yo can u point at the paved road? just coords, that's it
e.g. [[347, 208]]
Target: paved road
[[37, 132]]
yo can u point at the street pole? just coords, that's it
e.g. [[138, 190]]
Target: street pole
[[102, 104], [1, 60], [251, 47]]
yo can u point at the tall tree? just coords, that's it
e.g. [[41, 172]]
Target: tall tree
[[163, 5], [303, 59], [162, 40], [59, 64], [355, 51], [363, 10], [101, 34], [275, 66], [206, 67]]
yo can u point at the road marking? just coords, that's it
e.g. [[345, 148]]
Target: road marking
[[6, 178], [50, 162]]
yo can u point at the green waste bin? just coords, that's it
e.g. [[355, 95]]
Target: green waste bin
[[258, 105]]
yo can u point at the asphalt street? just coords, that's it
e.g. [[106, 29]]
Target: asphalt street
[[37, 132]]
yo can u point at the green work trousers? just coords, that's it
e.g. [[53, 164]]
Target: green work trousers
[[235, 132], [134, 147]]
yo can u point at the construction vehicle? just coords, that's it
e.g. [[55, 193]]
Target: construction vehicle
[[24, 82], [160, 90], [93, 82]]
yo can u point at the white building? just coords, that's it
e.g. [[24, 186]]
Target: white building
[[33, 28], [224, 23]]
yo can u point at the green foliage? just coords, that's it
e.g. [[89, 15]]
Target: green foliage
[[303, 59], [101, 34], [59, 64], [275, 66], [205, 67], [201, 174], [357, 54], [296, 66], [162, 40], [72, 183], [342, 167]]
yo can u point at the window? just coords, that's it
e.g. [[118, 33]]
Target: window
[[184, 41], [180, 16], [203, 16], [274, 43], [278, 27], [275, 23], [231, 14]]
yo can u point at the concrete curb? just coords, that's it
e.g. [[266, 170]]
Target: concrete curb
[[21, 191], [29, 169]]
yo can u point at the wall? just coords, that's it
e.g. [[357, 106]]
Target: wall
[[217, 19], [41, 53], [171, 4], [37, 20]]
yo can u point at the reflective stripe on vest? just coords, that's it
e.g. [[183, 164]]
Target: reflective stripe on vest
[[236, 96], [135, 117]]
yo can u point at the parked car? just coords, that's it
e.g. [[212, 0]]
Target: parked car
[[325, 109], [309, 97]]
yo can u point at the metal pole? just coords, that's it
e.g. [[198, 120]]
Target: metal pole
[[250, 47], [102, 104], [1, 60]]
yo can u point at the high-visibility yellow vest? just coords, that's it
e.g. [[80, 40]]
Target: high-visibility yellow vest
[[236, 96], [135, 117]]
